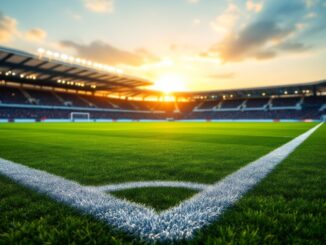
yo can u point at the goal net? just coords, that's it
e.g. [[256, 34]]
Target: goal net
[[323, 118], [79, 117]]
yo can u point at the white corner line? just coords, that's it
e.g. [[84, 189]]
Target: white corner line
[[174, 224], [144, 184]]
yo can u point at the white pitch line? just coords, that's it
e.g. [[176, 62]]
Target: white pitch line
[[175, 224], [142, 184]]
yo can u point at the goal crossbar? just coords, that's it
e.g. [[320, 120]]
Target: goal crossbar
[[79, 116]]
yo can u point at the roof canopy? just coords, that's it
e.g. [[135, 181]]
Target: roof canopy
[[292, 89], [22, 67]]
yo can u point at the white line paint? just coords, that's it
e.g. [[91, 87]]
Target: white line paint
[[142, 184], [175, 224]]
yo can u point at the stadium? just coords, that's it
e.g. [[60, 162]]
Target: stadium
[[45, 89], [97, 154]]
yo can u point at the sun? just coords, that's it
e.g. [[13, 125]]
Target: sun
[[170, 83]]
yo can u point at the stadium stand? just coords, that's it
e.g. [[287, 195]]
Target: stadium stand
[[186, 107], [315, 102], [256, 104], [45, 104], [98, 102], [140, 105], [42, 114], [293, 103], [12, 96], [168, 107], [54, 93], [125, 104], [207, 105], [231, 105], [73, 100], [42, 97]]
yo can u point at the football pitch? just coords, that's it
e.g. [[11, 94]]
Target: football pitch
[[287, 206]]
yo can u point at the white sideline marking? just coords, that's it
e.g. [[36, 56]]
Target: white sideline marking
[[175, 224], [142, 184]]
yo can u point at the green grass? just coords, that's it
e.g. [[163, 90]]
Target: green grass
[[95, 154], [287, 207], [159, 198]]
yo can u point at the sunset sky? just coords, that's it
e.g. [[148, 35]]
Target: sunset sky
[[194, 44]]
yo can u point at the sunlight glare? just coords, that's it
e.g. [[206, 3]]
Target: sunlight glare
[[170, 83]]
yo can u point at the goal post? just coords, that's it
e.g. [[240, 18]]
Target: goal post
[[323, 118], [80, 116]]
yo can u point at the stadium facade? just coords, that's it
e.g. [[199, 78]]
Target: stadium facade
[[49, 88]]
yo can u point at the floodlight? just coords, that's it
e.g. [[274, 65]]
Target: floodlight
[[40, 50]]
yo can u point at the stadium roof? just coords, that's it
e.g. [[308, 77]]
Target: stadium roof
[[291, 89], [23, 67]]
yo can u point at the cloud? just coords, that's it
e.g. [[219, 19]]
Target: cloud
[[99, 6], [272, 32], [35, 35], [310, 3], [251, 41], [227, 20], [196, 22], [192, 1], [105, 53], [252, 6], [294, 47], [8, 28], [73, 15], [225, 76], [10, 31]]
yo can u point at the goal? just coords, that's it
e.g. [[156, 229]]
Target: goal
[[323, 118], [79, 117]]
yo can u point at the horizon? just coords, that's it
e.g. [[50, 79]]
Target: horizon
[[183, 45]]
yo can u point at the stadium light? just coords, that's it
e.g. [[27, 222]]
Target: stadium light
[[40, 50], [49, 53], [78, 84], [74, 60], [64, 56]]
